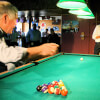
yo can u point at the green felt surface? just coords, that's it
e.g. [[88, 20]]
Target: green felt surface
[[81, 78]]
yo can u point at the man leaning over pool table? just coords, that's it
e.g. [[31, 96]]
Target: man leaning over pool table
[[10, 55]]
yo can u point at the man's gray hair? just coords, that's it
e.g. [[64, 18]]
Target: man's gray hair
[[8, 8]]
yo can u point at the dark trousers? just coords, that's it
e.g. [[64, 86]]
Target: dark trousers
[[14, 44], [3, 67], [97, 48]]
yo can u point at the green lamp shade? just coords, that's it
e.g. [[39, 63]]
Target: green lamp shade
[[86, 16], [71, 4], [82, 11]]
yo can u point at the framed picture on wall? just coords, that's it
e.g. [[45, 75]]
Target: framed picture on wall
[[56, 28], [70, 25]]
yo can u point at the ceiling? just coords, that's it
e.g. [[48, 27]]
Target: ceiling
[[47, 7]]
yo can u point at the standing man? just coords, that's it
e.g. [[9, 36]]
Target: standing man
[[96, 37], [45, 35], [33, 37], [53, 37], [10, 55]]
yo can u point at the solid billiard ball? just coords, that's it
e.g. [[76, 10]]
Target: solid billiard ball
[[39, 87], [56, 86], [64, 92], [81, 59], [50, 85]]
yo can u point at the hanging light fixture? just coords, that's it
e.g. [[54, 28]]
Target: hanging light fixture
[[71, 4], [86, 16], [82, 11]]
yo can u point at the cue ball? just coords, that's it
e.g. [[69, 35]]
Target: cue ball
[[81, 59]]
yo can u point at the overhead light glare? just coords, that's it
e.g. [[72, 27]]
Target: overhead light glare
[[87, 16], [82, 11], [71, 4]]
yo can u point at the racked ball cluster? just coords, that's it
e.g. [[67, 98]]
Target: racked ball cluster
[[56, 87]]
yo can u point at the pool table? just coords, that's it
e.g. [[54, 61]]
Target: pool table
[[81, 78]]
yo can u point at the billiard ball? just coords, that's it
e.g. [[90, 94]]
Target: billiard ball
[[39, 87], [55, 82], [81, 59], [44, 89], [50, 85], [51, 90], [64, 92], [45, 85], [57, 91], [63, 87], [60, 83], [56, 86]]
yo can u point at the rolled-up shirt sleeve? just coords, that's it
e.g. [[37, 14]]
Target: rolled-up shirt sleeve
[[96, 33], [11, 54]]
